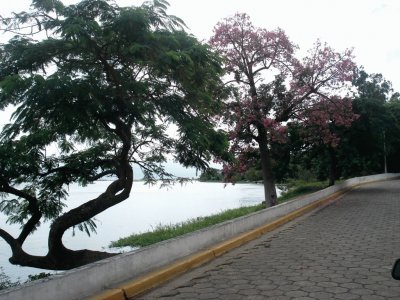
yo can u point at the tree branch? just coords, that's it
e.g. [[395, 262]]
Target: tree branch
[[29, 226], [8, 238], [102, 174]]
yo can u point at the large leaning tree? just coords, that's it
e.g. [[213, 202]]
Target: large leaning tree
[[95, 88], [273, 87]]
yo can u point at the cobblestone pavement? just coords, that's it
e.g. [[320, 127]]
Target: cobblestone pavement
[[342, 251]]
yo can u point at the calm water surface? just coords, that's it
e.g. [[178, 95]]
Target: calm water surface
[[146, 208]]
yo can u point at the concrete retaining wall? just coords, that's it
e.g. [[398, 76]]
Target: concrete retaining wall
[[91, 279]]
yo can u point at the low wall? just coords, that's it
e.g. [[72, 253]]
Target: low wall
[[91, 279]]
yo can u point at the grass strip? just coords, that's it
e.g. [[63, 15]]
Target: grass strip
[[165, 232]]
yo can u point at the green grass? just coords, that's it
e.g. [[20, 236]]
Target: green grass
[[165, 232], [298, 188]]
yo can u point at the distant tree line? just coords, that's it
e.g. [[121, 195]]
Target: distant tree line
[[371, 142], [371, 145]]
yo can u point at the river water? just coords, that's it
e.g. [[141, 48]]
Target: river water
[[146, 208]]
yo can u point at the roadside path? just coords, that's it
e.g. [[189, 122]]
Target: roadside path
[[342, 251]]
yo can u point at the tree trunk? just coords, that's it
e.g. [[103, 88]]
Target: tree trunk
[[269, 182], [333, 166], [59, 257], [63, 260], [268, 177]]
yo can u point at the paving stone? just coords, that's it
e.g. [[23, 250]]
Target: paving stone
[[255, 297], [340, 280], [244, 286], [318, 279], [187, 295], [202, 290], [207, 296], [388, 293], [249, 292], [372, 297], [363, 291], [312, 288], [304, 283], [238, 281], [272, 293], [296, 294], [260, 282], [347, 296], [202, 285], [228, 297], [336, 290], [327, 284], [267, 287], [296, 278], [322, 295], [281, 298], [351, 285]]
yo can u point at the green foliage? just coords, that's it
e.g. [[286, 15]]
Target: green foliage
[[367, 133], [211, 174], [41, 275], [253, 174], [111, 66], [5, 281], [361, 148], [362, 152], [392, 134], [295, 188]]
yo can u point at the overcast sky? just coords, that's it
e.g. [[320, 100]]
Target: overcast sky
[[371, 27]]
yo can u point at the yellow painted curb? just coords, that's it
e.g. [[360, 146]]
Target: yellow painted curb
[[200, 258], [139, 285], [111, 294], [235, 242]]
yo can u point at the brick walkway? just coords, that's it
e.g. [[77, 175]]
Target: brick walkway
[[343, 251]]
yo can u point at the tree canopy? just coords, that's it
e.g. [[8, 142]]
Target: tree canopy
[[95, 87], [312, 92]]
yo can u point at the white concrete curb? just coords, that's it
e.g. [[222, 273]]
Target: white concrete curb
[[93, 278]]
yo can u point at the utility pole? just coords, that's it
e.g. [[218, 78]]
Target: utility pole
[[384, 152]]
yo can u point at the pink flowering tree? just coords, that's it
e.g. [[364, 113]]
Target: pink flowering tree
[[297, 90]]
